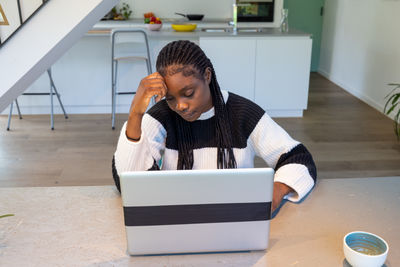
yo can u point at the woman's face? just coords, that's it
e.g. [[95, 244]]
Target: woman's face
[[189, 96]]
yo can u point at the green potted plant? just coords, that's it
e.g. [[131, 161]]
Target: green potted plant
[[393, 100], [123, 13], [126, 11]]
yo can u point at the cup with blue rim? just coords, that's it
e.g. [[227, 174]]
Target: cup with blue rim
[[363, 249]]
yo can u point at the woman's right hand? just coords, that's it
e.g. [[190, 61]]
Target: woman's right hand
[[150, 86]]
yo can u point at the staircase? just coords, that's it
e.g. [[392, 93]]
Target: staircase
[[40, 40]]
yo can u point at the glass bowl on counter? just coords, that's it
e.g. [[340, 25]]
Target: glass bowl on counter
[[154, 27]]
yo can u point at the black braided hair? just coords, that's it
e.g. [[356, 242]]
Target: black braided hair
[[190, 59]]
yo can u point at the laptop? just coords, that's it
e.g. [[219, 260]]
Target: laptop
[[195, 211]]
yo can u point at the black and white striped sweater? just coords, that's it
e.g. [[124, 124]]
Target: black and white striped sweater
[[253, 131]]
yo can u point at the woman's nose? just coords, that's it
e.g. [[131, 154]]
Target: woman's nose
[[182, 106]]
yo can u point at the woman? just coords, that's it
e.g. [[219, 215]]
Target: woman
[[195, 125]]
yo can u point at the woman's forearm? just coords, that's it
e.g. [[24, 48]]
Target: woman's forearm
[[134, 126]]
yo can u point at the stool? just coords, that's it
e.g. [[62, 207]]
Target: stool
[[52, 87], [126, 44]]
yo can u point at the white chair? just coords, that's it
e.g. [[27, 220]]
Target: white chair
[[51, 93], [126, 44]]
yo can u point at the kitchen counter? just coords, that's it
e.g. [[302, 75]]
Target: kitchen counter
[[104, 28], [84, 226], [169, 32]]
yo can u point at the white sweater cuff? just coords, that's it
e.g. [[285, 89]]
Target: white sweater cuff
[[132, 156], [297, 177]]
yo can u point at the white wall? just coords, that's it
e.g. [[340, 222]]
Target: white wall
[[360, 49]]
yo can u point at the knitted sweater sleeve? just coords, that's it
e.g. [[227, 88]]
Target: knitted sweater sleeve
[[292, 162], [142, 155]]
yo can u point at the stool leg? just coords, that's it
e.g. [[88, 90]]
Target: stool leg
[[19, 111], [114, 93], [56, 92], [61, 104], [148, 66], [153, 99], [51, 108], [9, 116]]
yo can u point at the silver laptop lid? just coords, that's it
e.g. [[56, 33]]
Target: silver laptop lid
[[197, 210]]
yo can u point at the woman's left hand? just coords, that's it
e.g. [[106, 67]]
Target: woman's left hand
[[280, 190]]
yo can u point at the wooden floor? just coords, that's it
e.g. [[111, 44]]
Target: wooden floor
[[346, 137]]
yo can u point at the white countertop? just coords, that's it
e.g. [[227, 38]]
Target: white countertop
[[83, 226], [104, 27]]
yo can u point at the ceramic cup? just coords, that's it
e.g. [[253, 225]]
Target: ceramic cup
[[365, 249]]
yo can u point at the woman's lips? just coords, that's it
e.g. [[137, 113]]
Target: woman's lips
[[188, 115]]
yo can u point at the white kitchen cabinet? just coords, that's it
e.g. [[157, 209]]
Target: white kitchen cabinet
[[282, 75], [234, 63], [274, 72]]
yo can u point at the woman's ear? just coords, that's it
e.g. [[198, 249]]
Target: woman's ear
[[207, 75]]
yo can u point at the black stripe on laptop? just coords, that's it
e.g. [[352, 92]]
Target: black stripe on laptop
[[201, 213]]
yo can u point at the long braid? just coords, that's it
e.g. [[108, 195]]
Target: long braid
[[186, 53], [222, 127]]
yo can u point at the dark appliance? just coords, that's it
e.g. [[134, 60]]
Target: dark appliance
[[255, 11]]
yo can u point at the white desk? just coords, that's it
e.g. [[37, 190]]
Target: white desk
[[83, 226]]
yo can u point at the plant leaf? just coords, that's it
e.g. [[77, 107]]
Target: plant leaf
[[397, 86], [397, 125], [397, 117], [396, 98], [391, 109], [387, 102], [6, 215]]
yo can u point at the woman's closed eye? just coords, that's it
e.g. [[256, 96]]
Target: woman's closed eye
[[189, 93]]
